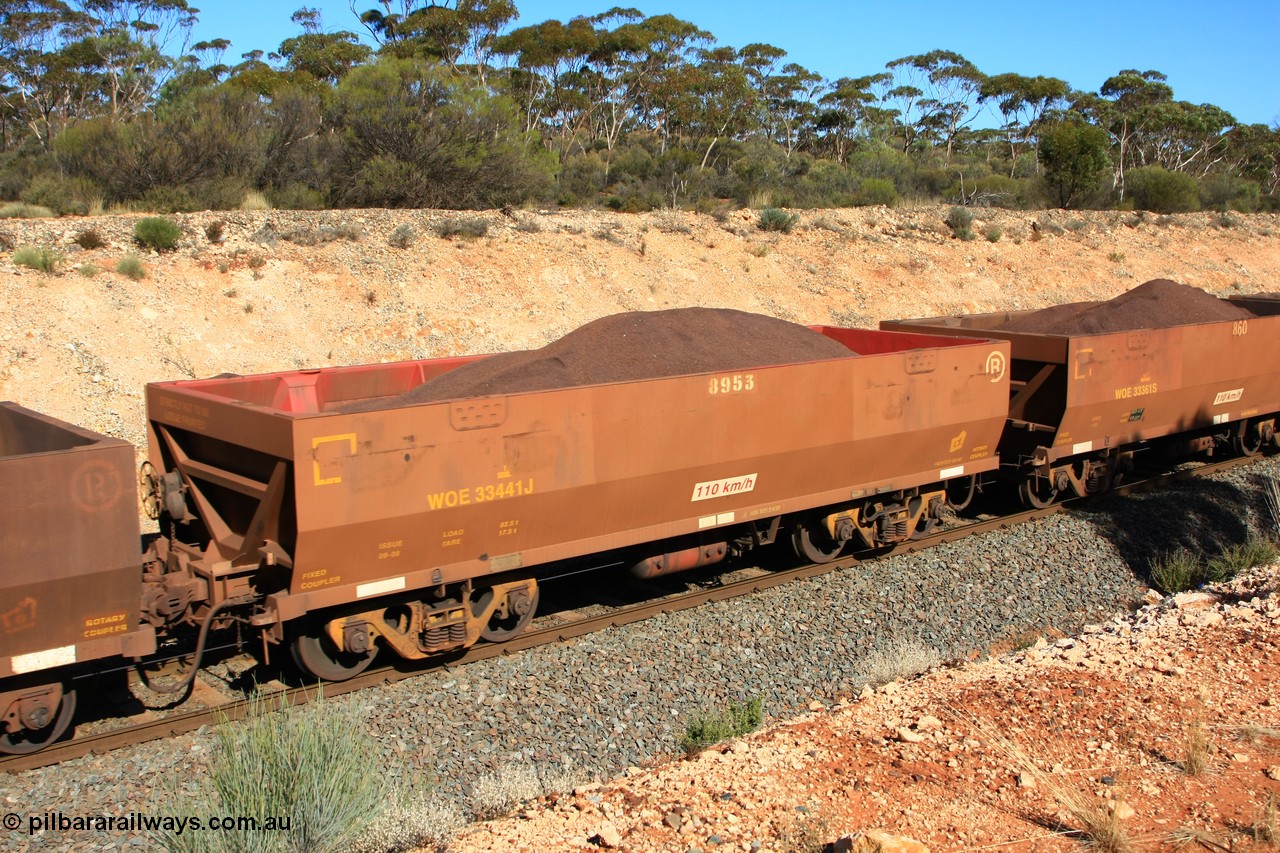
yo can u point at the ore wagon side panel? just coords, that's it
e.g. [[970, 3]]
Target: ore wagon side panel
[[399, 498], [408, 496], [70, 581]]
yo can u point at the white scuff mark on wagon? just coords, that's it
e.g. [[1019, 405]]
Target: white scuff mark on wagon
[[365, 590], [46, 659]]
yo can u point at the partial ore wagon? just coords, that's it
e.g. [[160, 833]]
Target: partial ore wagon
[[69, 566], [1081, 404], [425, 525]]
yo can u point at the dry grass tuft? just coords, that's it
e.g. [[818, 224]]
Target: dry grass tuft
[[1266, 827], [1185, 836], [255, 200], [1195, 745], [1100, 823]]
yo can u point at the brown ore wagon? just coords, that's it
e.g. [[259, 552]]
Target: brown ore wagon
[[1081, 404], [69, 581], [340, 515]]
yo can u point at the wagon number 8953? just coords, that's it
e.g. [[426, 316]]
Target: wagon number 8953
[[730, 384]]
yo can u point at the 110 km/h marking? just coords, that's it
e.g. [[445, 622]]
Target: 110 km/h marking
[[723, 488]]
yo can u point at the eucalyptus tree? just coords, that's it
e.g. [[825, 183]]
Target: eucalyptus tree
[[325, 56], [1123, 108], [461, 33], [129, 50], [843, 111], [936, 94], [792, 97], [1184, 137], [42, 84], [1023, 103]]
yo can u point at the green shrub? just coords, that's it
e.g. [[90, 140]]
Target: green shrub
[[166, 199], [876, 191], [1001, 190], [88, 270], [994, 234], [41, 258], [1161, 191], [19, 210], [61, 194], [776, 219], [297, 197], [131, 266], [156, 232], [403, 236], [1240, 558], [1226, 192], [960, 221], [308, 765], [703, 730], [90, 239], [1176, 571], [466, 227]]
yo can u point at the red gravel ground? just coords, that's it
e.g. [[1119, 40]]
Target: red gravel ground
[[1069, 744]]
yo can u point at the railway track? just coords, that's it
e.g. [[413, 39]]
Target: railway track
[[186, 721]]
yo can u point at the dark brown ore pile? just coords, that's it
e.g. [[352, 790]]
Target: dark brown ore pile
[[628, 347], [1157, 304]]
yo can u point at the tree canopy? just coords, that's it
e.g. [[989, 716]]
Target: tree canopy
[[108, 100]]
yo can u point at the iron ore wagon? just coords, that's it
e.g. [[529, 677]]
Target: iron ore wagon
[[338, 515]]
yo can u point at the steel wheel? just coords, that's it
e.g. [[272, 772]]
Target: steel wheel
[[28, 741], [1035, 492], [502, 628], [1247, 439], [316, 654], [960, 492], [812, 542]]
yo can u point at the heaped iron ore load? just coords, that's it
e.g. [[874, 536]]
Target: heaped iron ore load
[[427, 519], [628, 348], [69, 577], [1094, 382]]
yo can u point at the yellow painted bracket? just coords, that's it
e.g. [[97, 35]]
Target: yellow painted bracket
[[326, 439]]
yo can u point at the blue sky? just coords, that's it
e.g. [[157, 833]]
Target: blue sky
[[1222, 53]]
